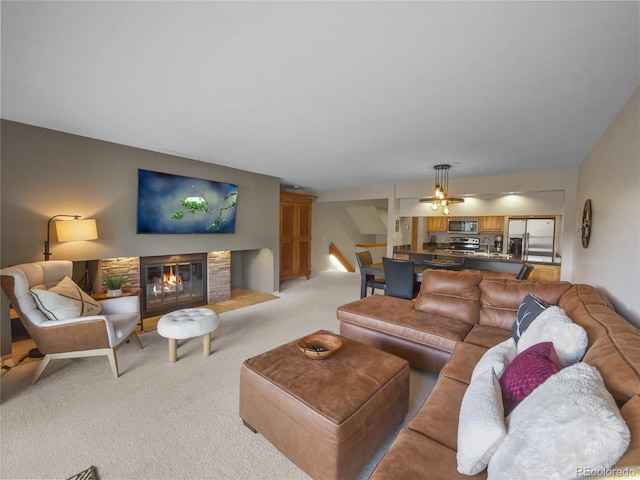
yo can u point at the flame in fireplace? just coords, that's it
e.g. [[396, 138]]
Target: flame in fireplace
[[170, 278], [169, 283]]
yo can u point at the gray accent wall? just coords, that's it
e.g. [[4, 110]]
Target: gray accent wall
[[46, 172]]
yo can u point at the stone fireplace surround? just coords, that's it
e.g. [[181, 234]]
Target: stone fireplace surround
[[218, 273]]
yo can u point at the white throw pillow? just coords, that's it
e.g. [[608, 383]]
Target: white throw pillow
[[553, 325], [566, 427], [496, 358], [64, 301], [481, 426]]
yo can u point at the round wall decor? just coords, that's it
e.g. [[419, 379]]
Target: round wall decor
[[586, 223]]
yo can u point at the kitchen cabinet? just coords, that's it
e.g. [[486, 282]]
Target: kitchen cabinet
[[486, 224], [544, 273], [437, 224], [295, 235], [491, 224]]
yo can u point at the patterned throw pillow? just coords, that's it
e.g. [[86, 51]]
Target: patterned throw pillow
[[528, 311], [527, 371], [64, 301]]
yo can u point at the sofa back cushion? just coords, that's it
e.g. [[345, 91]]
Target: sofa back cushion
[[591, 309], [617, 356], [450, 294], [19, 279], [501, 298]]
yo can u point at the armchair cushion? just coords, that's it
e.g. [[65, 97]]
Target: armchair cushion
[[65, 301]]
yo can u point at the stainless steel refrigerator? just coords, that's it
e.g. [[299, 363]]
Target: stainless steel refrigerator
[[532, 239]]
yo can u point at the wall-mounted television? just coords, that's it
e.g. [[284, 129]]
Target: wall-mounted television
[[170, 203]]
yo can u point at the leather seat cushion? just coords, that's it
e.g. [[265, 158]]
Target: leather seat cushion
[[462, 362], [416, 456], [398, 317], [487, 336], [438, 417]]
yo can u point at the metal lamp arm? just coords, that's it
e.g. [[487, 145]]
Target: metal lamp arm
[[47, 253]]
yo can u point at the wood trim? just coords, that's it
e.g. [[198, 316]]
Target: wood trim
[[335, 251], [371, 245], [414, 233]]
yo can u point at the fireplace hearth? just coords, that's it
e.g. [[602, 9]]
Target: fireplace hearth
[[172, 282]]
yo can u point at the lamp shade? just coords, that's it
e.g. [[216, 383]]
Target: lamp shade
[[69, 230]]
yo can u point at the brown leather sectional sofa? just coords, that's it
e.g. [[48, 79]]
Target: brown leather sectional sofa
[[454, 320]]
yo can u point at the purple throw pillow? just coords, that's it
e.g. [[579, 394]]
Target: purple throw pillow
[[526, 372]]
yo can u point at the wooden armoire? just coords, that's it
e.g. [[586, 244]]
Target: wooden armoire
[[295, 235]]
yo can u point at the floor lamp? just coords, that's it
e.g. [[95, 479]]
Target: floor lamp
[[69, 231]]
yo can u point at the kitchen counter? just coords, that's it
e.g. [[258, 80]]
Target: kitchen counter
[[474, 258]]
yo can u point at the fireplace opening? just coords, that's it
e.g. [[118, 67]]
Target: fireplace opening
[[172, 282]]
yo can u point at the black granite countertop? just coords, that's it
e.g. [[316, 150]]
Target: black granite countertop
[[479, 256]]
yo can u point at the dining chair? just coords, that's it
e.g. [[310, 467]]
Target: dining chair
[[400, 279], [525, 271], [364, 259]]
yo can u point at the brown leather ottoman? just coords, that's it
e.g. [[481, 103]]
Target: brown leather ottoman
[[330, 416]]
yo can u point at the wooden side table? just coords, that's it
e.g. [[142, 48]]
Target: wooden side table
[[126, 292]]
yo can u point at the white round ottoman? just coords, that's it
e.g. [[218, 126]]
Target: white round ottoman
[[188, 323]]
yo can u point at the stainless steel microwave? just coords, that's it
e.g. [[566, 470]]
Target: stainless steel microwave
[[467, 225]]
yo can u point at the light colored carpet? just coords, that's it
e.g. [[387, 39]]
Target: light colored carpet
[[161, 420]]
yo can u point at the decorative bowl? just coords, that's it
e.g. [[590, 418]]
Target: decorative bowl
[[319, 346]]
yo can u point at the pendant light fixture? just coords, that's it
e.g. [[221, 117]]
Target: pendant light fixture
[[441, 199]]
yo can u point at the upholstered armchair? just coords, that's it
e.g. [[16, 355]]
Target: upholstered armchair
[[63, 321]]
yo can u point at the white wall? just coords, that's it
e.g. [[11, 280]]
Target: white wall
[[529, 203], [538, 193], [253, 269], [369, 219], [332, 224], [610, 177]]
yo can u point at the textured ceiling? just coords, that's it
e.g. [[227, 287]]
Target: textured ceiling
[[328, 94]]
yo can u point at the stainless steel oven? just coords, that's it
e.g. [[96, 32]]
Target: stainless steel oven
[[463, 244]]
